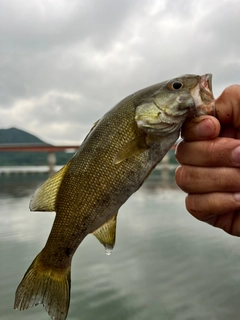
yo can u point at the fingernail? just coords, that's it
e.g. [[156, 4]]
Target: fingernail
[[236, 196], [236, 155], [205, 128]]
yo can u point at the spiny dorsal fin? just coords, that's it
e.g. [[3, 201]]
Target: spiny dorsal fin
[[93, 127], [134, 147], [44, 198], [106, 234]]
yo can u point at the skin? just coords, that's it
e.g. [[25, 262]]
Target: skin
[[209, 158]]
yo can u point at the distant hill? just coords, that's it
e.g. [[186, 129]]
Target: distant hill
[[14, 135]]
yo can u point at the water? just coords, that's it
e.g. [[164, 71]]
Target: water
[[165, 264]]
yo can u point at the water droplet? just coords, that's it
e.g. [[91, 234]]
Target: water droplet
[[108, 250]]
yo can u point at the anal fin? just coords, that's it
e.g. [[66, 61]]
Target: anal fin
[[106, 234]]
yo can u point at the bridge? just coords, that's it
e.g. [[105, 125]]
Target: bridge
[[33, 147], [50, 149]]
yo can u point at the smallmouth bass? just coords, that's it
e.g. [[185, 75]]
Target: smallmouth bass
[[113, 161]]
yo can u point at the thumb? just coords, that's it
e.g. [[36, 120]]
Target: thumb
[[201, 128]]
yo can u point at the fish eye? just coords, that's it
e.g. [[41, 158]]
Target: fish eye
[[175, 85]]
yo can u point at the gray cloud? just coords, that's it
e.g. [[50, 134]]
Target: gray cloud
[[64, 63]]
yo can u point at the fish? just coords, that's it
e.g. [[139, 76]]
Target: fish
[[113, 161]]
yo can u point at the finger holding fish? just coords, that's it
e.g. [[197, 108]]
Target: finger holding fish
[[219, 152], [188, 177], [201, 128], [219, 209], [210, 175], [225, 123]]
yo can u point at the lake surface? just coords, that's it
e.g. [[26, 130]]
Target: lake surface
[[165, 265]]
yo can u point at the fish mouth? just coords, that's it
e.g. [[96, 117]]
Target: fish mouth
[[203, 96], [205, 83]]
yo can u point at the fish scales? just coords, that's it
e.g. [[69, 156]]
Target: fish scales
[[113, 161], [93, 168]]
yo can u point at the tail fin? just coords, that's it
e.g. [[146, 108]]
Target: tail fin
[[51, 287]]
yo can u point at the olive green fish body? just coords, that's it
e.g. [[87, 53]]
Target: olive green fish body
[[94, 185], [112, 163]]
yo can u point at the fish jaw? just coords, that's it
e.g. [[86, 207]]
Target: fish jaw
[[203, 96]]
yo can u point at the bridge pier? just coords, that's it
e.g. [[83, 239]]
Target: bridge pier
[[51, 162], [165, 167]]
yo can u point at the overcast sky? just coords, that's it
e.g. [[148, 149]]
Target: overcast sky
[[64, 63]]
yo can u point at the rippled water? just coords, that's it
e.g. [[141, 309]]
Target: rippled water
[[165, 265]]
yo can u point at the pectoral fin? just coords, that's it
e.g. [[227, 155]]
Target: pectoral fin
[[44, 198], [133, 147], [106, 234]]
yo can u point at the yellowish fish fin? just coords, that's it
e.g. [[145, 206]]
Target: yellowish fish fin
[[132, 148], [41, 284], [106, 234], [44, 198]]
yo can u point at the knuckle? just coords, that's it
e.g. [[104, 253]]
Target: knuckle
[[178, 152], [181, 178], [232, 90], [191, 206]]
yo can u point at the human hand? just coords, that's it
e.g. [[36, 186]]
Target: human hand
[[209, 158]]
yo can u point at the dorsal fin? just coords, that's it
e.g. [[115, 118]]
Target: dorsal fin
[[44, 198], [93, 127], [106, 234]]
